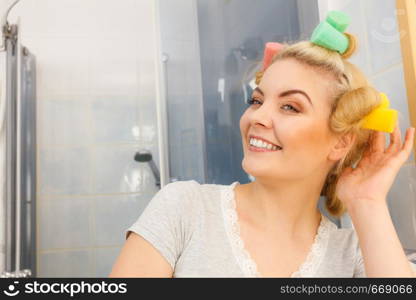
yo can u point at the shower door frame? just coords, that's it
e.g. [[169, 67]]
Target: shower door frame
[[406, 19], [20, 121]]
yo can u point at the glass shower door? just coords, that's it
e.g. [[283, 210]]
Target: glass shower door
[[214, 49]]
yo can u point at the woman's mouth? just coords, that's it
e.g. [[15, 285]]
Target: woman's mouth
[[257, 145]]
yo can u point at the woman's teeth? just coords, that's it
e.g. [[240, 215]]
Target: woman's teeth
[[261, 144]]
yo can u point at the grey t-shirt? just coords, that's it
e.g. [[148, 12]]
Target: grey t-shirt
[[195, 228]]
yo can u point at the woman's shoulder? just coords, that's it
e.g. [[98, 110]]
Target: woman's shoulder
[[193, 186], [343, 240], [206, 198], [187, 191]]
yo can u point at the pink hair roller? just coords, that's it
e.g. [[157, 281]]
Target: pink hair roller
[[269, 51]]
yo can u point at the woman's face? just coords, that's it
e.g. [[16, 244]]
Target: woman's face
[[296, 121]]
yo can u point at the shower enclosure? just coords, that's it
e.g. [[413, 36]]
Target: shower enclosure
[[213, 50], [18, 156]]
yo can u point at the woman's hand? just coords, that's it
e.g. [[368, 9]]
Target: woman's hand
[[375, 173]]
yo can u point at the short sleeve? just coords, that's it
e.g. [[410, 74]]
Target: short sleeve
[[359, 270], [167, 220]]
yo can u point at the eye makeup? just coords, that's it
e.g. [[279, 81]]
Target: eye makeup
[[286, 93], [253, 100]]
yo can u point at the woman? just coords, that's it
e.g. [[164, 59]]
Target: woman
[[306, 116]]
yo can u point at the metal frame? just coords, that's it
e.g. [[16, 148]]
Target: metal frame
[[20, 201]]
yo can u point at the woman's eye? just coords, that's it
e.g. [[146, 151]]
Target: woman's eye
[[251, 101], [292, 108]]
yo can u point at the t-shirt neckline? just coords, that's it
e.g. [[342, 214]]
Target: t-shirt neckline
[[247, 264]]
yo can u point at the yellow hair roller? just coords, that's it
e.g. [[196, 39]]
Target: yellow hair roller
[[382, 118]]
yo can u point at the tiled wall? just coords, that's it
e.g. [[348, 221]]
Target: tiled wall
[[374, 22], [96, 108]]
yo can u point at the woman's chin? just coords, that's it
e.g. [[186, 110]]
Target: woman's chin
[[254, 168]]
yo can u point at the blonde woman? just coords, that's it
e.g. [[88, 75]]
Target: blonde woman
[[307, 111]]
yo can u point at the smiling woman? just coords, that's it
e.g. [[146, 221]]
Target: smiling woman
[[302, 134]]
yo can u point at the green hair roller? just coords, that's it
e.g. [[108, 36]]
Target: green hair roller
[[329, 33]]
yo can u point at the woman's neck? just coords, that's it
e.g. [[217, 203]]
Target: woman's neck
[[290, 207]]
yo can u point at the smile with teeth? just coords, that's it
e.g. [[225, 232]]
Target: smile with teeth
[[263, 145]]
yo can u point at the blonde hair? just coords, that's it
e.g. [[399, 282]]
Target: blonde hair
[[352, 99]]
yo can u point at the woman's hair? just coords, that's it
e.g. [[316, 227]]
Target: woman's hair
[[352, 99]]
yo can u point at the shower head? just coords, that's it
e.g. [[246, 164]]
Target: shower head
[[143, 156], [146, 156]]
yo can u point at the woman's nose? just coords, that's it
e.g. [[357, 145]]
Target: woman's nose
[[262, 115]]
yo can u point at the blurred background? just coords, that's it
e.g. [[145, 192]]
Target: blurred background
[[105, 102]]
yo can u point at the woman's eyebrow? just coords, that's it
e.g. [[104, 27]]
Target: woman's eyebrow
[[257, 89], [288, 92]]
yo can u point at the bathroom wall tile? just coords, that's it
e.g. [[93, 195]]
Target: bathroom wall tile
[[117, 18], [113, 215], [65, 171], [116, 171], [147, 78], [65, 223], [402, 205], [113, 65], [145, 15], [75, 263], [105, 259], [62, 68], [94, 17], [68, 21], [94, 61], [115, 119], [64, 122], [148, 126], [383, 33], [148, 130]]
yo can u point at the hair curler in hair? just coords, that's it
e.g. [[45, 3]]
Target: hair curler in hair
[[382, 118], [269, 51]]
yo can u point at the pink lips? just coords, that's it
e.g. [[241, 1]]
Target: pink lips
[[256, 149], [262, 139]]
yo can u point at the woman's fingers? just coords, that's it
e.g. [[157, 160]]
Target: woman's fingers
[[379, 142], [408, 143], [376, 144], [369, 147], [395, 140], [404, 151]]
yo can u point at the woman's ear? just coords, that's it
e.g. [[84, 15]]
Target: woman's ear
[[341, 147]]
